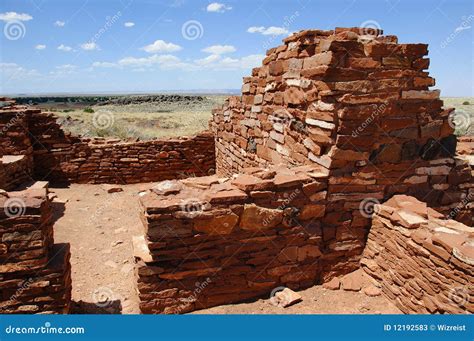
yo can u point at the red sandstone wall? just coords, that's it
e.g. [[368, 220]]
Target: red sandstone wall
[[60, 157], [424, 263], [357, 104], [35, 274], [239, 238], [14, 140]]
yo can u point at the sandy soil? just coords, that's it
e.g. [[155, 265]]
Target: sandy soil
[[100, 226]]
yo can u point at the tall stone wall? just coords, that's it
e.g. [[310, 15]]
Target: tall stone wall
[[423, 262], [357, 103], [35, 273]]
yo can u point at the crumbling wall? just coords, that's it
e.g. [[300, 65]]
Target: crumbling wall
[[352, 103], [357, 103], [424, 263], [54, 155], [237, 238], [16, 147], [35, 273]]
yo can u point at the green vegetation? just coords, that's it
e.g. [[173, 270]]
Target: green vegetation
[[89, 110], [465, 103]]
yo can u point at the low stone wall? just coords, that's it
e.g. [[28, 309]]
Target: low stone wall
[[54, 155], [35, 273], [424, 263], [211, 241], [14, 171], [101, 161]]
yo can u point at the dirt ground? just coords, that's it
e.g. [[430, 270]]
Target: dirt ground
[[100, 226]]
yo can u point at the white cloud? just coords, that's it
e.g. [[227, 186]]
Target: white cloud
[[129, 24], [104, 64], [216, 62], [14, 16], [62, 70], [90, 46], [160, 46], [213, 62], [66, 67], [219, 49], [217, 7], [59, 23], [40, 47], [12, 71], [64, 48], [272, 30], [165, 59], [208, 60]]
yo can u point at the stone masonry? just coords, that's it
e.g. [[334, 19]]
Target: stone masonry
[[35, 273], [350, 105], [52, 154], [424, 262]]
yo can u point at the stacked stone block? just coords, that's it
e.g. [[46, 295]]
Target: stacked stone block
[[35, 273], [359, 104], [424, 263], [54, 155], [211, 241]]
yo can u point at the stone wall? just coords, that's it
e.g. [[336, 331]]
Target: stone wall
[[35, 273], [357, 103], [238, 238], [57, 156], [424, 263]]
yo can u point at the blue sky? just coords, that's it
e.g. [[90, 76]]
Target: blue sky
[[52, 46]]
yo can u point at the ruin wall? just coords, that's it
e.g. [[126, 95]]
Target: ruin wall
[[423, 262], [35, 273], [54, 155]]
